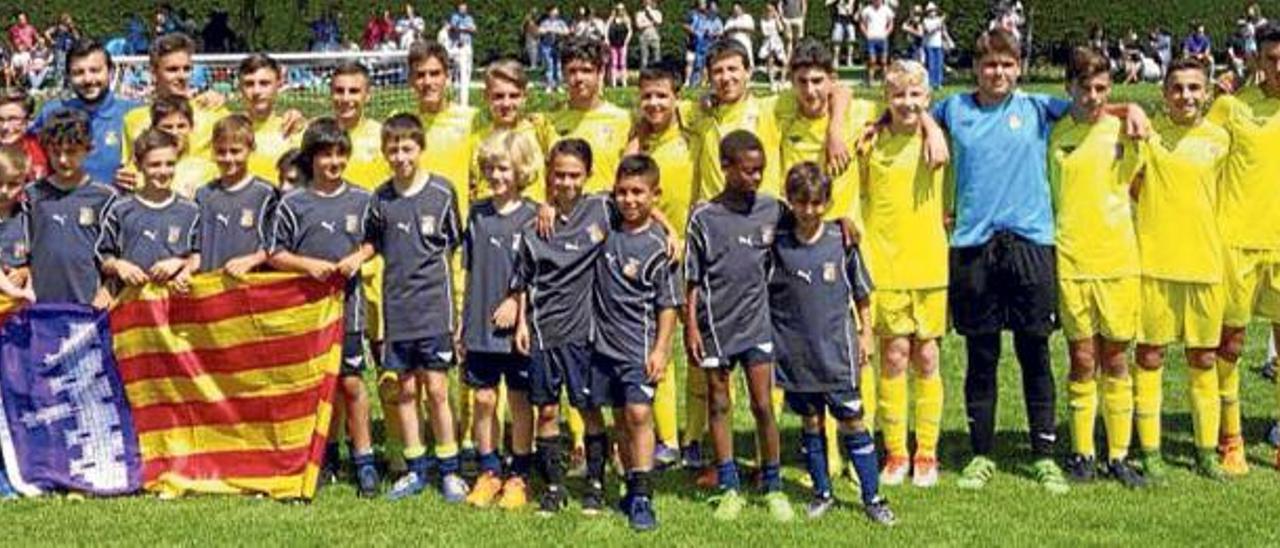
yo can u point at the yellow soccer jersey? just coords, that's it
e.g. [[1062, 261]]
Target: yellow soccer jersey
[[804, 140], [191, 173], [905, 240], [606, 128], [367, 168], [536, 128], [1090, 169], [1249, 191], [761, 115], [1177, 229], [199, 140], [673, 151], [269, 144], [450, 136]]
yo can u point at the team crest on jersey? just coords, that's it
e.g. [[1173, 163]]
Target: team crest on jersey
[[766, 235], [111, 139], [829, 272], [595, 233], [175, 234], [1015, 122], [632, 269], [353, 224], [427, 225], [515, 242], [88, 216], [20, 250], [246, 218]]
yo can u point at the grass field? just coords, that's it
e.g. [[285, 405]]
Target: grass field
[[1187, 510]]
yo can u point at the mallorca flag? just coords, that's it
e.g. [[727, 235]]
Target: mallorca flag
[[231, 384]]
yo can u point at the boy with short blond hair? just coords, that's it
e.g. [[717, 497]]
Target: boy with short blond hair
[[237, 207]]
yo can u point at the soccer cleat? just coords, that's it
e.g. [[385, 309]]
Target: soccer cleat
[[727, 505], [977, 473], [1081, 469], [640, 514], [454, 489], [577, 463], [7, 492], [1126, 474], [878, 511], [1049, 475], [1234, 462], [1207, 465], [665, 456], [1152, 465], [593, 501], [895, 470], [820, 505], [515, 494], [328, 475], [367, 481], [692, 456], [924, 472], [408, 485], [779, 507], [552, 501], [485, 491]]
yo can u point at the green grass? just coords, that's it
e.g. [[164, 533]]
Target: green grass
[[1012, 511]]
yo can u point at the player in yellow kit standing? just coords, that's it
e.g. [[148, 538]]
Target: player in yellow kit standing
[[505, 91], [587, 115], [260, 81]]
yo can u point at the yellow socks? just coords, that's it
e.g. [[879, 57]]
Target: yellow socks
[[867, 378], [1083, 401], [893, 414], [1117, 413], [1229, 391], [664, 409], [831, 431], [577, 429], [695, 405], [928, 412], [1147, 399], [1206, 407]]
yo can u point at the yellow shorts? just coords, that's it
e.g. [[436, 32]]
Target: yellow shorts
[[910, 312], [1106, 307], [371, 284], [1252, 283], [1186, 312]]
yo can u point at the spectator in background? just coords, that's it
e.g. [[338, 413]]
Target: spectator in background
[[410, 27], [876, 23], [914, 27], [326, 31], [692, 25], [22, 40], [793, 14], [39, 66], [61, 35], [844, 14], [619, 30], [936, 38], [1161, 44], [217, 35], [741, 27], [707, 28], [648, 22], [1131, 54], [16, 108], [378, 32], [551, 30], [588, 25], [1009, 17], [462, 27], [135, 38], [1198, 46], [530, 28], [773, 49]]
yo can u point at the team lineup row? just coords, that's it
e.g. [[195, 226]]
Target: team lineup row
[[1040, 205]]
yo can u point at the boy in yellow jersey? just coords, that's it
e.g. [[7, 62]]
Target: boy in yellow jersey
[[260, 80], [906, 245], [1091, 166], [505, 90], [586, 115], [1182, 293], [173, 115], [664, 139], [1249, 196], [171, 68]]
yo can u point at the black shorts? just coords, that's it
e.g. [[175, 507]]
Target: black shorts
[[628, 383], [352, 355], [845, 404], [1009, 283], [760, 354], [487, 369], [427, 353], [567, 366]]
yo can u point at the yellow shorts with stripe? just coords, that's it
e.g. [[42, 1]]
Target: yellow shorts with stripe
[[371, 284], [921, 313], [1106, 308], [1186, 312], [1252, 284]]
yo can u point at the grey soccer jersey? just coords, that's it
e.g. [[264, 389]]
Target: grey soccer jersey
[[145, 234], [811, 287], [235, 221], [416, 235], [14, 247], [65, 225], [489, 249], [327, 227], [728, 261], [558, 273], [634, 281]]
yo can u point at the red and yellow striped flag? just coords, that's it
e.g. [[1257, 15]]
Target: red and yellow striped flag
[[231, 384]]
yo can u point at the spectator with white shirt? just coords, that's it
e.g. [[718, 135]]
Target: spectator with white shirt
[[844, 14], [648, 22], [876, 23], [934, 37], [793, 14], [773, 50], [552, 29], [410, 28], [741, 27], [462, 27]]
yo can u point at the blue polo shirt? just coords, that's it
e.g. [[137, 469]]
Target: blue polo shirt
[[999, 158], [106, 121]]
